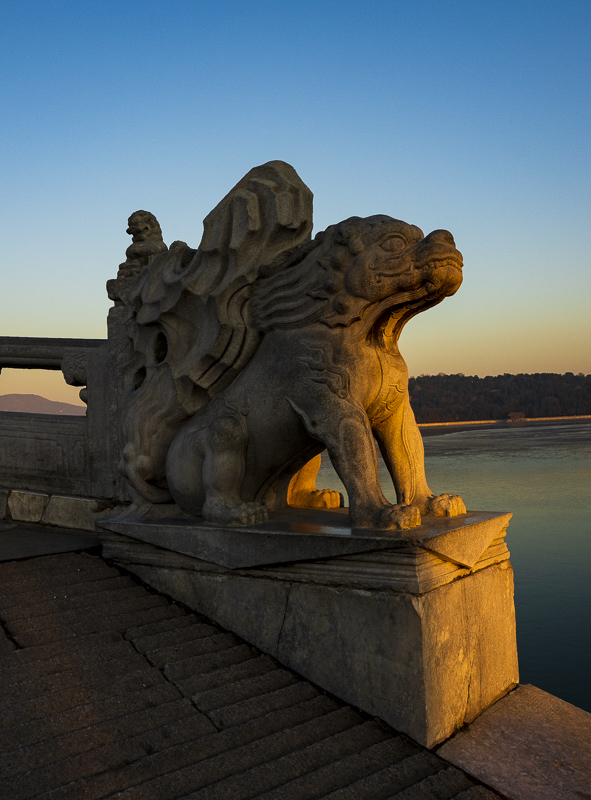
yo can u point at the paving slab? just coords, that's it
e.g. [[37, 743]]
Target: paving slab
[[229, 750], [65, 661], [163, 625], [225, 676], [207, 769], [69, 679], [349, 769], [74, 564], [27, 542], [389, 782], [61, 601], [99, 611], [178, 636], [529, 746], [257, 686], [52, 649], [66, 588], [188, 667], [57, 748], [21, 735], [120, 622], [106, 759], [300, 762], [39, 707], [6, 643], [238, 713], [107, 688]]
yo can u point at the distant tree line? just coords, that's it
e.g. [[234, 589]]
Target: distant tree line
[[455, 398]]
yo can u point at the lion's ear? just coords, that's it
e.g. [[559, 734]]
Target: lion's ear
[[356, 245], [348, 235]]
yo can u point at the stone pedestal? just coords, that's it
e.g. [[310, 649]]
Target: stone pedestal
[[416, 627]]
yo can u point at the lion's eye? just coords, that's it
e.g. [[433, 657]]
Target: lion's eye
[[393, 243]]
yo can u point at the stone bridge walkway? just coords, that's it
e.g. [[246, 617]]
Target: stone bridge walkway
[[108, 689]]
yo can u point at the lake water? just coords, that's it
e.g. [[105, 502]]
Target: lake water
[[542, 473]]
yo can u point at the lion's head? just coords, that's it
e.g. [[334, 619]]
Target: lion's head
[[146, 241], [142, 225], [360, 268]]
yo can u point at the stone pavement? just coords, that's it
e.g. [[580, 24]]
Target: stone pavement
[[109, 689]]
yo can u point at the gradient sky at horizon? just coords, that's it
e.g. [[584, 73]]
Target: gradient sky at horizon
[[468, 116]]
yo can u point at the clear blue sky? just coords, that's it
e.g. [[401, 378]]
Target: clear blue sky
[[469, 116]]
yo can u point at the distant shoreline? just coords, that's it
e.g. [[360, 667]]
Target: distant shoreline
[[441, 428]]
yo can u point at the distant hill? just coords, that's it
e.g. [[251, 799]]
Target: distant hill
[[33, 404], [461, 398]]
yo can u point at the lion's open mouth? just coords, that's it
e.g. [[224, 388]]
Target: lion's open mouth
[[444, 276], [441, 276]]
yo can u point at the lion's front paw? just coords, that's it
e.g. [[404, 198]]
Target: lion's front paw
[[239, 514], [400, 518], [397, 518], [324, 498], [445, 505]]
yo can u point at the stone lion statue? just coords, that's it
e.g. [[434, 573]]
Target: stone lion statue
[[262, 348]]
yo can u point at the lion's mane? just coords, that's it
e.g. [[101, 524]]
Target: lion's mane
[[309, 285]]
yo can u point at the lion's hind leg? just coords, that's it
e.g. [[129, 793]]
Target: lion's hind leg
[[205, 469], [223, 473]]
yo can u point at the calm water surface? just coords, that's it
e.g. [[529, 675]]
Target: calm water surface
[[542, 473]]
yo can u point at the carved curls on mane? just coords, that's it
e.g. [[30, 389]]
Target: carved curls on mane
[[296, 291]]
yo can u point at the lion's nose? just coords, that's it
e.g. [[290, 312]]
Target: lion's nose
[[441, 237]]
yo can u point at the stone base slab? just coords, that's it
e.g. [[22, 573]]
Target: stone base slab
[[424, 660], [297, 534], [528, 746]]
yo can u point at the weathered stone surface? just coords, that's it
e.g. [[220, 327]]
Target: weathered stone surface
[[528, 746], [346, 771], [65, 602], [99, 613], [120, 727], [261, 348], [86, 624], [24, 656], [415, 662], [89, 737], [56, 702], [256, 686], [464, 545], [37, 686], [304, 534], [27, 506], [106, 758], [188, 633], [66, 661], [4, 493], [254, 609], [63, 454], [200, 682], [425, 664], [71, 512], [15, 575], [188, 667], [12, 738], [19, 541], [65, 588]]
